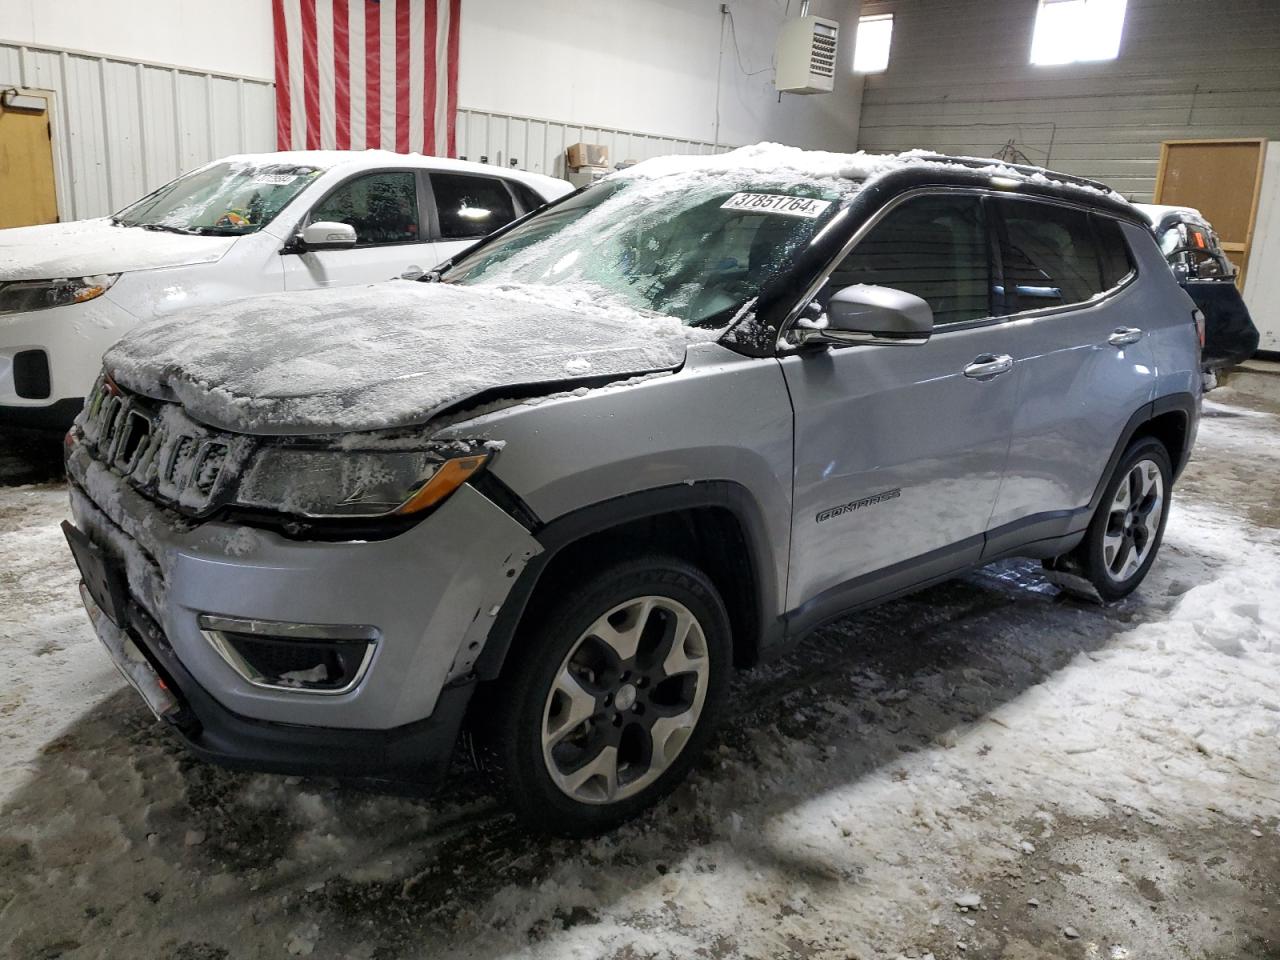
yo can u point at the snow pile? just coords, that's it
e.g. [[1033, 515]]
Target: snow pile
[[385, 355], [85, 248]]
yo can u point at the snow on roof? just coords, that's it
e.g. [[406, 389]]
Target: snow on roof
[[385, 355], [377, 159], [778, 159], [1155, 212]]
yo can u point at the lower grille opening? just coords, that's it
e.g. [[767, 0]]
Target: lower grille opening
[[31, 375], [292, 661]]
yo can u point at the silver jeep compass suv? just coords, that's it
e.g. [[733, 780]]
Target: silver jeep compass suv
[[655, 431]]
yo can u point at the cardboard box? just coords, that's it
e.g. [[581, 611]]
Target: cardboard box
[[582, 176], [587, 155]]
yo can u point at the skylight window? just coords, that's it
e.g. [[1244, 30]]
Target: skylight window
[[1071, 31], [871, 43]]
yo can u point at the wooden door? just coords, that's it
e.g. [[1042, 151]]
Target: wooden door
[[26, 166], [1221, 179]]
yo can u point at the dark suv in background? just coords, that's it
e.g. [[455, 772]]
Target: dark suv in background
[[1194, 253]]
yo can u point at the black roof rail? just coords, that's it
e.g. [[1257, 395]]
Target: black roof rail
[[1023, 168]]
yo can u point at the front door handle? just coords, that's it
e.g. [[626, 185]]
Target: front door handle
[[989, 365], [1124, 335]]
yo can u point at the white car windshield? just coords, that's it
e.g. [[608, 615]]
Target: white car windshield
[[224, 199], [695, 248]]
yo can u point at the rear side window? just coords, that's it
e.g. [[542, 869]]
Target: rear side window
[[1049, 255], [383, 207], [932, 246], [471, 206], [528, 197], [1113, 252]]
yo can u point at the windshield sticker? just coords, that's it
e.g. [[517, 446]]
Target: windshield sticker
[[275, 179], [777, 203]]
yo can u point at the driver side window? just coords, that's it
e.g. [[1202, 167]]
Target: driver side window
[[383, 208], [932, 246]]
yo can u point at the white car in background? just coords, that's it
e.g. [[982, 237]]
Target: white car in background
[[243, 225]]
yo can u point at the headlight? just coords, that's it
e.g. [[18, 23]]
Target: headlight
[[353, 483], [19, 296]]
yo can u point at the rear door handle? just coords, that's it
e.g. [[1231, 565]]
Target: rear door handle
[[989, 365], [1123, 335]]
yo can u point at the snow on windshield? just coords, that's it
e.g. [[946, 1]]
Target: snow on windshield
[[231, 197], [694, 246]]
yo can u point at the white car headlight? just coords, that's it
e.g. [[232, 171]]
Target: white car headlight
[[324, 483], [20, 296]]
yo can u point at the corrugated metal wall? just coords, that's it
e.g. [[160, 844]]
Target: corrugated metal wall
[[538, 145], [123, 128], [959, 81]]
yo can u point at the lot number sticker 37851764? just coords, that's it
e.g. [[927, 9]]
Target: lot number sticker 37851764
[[806, 207]]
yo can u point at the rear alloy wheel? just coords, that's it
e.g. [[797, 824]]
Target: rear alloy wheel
[[1127, 527], [609, 699], [1133, 521]]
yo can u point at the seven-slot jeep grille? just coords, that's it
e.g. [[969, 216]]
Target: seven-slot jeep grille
[[159, 450]]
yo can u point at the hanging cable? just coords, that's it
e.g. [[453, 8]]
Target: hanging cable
[[733, 32]]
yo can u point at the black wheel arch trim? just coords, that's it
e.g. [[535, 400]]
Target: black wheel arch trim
[[1183, 403], [598, 518]]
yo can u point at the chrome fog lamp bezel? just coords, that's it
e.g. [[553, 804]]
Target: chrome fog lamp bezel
[[215, 630]]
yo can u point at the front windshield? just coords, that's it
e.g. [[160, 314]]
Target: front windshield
[[224, 199], [695, 247]]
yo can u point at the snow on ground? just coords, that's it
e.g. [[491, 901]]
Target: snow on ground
[[983, 769], [56, 668]]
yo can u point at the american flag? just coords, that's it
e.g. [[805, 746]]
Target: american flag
[[356, 74]]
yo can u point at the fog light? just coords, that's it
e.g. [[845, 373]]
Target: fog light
[[296, 657], [31, 379]]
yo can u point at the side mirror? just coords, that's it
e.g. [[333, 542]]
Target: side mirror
[[871, 314], [327, 235]]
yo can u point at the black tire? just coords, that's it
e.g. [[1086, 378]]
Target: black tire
[[516, 708], [1091, 559]]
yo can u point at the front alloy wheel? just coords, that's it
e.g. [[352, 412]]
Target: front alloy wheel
[[625, 700], [610, 692]]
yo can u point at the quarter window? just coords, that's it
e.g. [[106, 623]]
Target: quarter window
[[1049, 256], [383, 207], [1113, 252], [528, 197], [471, 206], [932, 246]]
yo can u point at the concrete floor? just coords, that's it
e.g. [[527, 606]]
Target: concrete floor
[[984, 769]]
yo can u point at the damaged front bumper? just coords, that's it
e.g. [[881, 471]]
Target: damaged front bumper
[[424, 599]]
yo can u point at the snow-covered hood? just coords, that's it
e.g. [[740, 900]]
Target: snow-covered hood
[[85, 248], [385, 355]]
